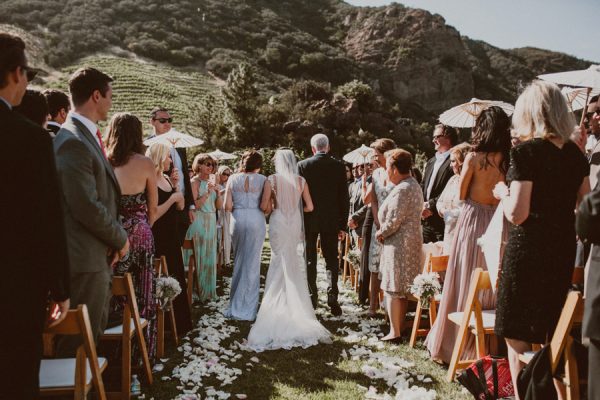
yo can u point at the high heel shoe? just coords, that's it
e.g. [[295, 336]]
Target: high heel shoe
[[396, 340]]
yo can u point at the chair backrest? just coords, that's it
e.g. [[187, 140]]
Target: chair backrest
[[123, 286], [77, 322], [160, 266], [437, 263], [573, 306], [480, 280]]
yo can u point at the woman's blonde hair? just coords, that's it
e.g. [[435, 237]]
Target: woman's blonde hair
[[541, 111], [460, 151], [158, 153]]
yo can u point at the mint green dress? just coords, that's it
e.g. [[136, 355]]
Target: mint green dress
[[204, 231]]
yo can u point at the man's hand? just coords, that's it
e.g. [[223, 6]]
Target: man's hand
[[59, 312], [352, 224], [192, 216], [124, 250], [426, 213]]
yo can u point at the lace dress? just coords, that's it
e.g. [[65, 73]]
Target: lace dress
[[286, 318], [248, 230], [540, 254], [133, 212], [401, 255]]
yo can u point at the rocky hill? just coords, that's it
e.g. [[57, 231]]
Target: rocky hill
[[309, 60], [409, 56]]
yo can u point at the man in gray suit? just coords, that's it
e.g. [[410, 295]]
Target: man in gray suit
[[91, 194]]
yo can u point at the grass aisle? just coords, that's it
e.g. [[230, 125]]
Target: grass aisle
[[212, 363]]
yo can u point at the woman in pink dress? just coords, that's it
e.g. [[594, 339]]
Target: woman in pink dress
[[485, 166]]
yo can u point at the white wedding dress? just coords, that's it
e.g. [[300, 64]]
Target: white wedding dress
[[286, 318]]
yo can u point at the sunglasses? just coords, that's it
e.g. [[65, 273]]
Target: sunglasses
[[164, 120], [209, 164], [226, 174], [438, 136], [30, 72]]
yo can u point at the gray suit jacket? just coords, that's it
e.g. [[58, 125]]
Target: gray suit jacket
[[90, 197]]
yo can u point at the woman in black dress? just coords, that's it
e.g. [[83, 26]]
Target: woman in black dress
[[165, 229], [547, 178]]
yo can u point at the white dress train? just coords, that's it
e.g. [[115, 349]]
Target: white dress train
[[286, 318]]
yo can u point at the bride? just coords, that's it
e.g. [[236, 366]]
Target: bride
[[286, 317]]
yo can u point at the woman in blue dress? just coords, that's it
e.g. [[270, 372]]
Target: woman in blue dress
[[247, 196]]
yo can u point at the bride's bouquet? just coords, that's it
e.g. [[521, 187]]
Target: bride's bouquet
[[426, 286], [353, 256], [167, 288]]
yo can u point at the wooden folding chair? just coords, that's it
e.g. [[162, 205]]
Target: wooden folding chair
[[74, 376], [434, 264], [473, 319], [192, 276], [132, 326], [561, 344], [348, 273], [160, 266]]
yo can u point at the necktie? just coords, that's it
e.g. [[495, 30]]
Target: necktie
[[99, 136]]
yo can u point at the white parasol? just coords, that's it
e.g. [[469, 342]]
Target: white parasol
[[359, 156], [464, 115], [492, 245], [174, 138], [221, 155], [577, 97], [587, 78]]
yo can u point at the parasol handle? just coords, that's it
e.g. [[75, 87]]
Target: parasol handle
[[584, 111]]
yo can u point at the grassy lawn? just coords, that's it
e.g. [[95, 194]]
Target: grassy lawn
[[345, 369]]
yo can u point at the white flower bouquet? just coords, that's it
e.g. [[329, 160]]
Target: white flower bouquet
[[167, 288], [353, 256], [425, 287]]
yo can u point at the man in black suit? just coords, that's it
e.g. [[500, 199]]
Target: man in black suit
[[326, 178], [58, 108], [588, 229], [161, 122], [437, 173], [34, 252]]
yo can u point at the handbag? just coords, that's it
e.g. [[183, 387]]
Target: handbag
[[488, 379]]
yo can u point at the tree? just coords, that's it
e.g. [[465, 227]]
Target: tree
[[242, 103]]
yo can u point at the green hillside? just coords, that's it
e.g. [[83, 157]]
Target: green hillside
[[140, 86]]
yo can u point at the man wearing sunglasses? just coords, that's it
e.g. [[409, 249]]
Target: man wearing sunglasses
[[161, 121], [35, 264]]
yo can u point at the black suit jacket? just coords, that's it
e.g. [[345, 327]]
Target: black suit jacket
[[53, 128], [326, 178], [588, 229], [441, 179], [35, 261]]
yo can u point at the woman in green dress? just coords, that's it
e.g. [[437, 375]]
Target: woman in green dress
[[203, 229]]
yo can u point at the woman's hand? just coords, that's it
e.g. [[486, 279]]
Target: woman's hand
[[500, 190], [379, 237], [175, 177]]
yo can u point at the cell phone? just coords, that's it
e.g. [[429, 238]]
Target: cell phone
[[212, 178]]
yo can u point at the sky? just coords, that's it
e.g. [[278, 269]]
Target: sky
[[568, 26]]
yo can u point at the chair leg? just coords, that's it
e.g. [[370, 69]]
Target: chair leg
[[190, 281], [432, 312], [458, 347], [160, 339], [173, 324], [416, 324], [571, 373], [144, 350], [126, 370]]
